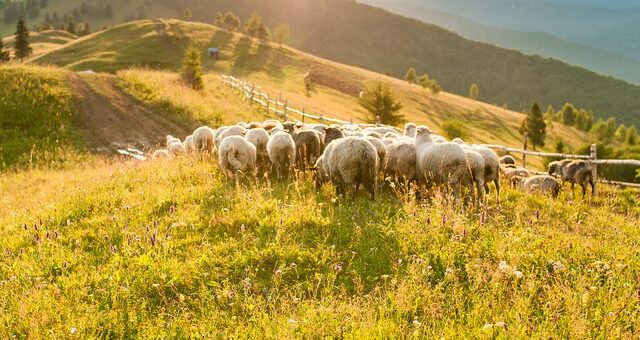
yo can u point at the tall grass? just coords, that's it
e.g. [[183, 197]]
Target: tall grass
[[169, 249], [165, 92], [37, 118]]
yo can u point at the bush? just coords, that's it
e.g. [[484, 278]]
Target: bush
[[454, 128]]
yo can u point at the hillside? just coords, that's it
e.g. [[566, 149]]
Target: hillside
[[44, 41], [375, 39], [279, 70], [537, 43]]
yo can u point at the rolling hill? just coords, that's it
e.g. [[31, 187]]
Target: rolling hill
[[537, 43], [44, 41], [377, 40], [159, 44]]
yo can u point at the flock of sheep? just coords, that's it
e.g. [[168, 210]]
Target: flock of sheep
[[353, 157]]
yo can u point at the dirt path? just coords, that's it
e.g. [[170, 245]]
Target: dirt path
[[113, 120]]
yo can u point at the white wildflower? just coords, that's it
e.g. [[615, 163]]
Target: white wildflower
[[558, 266], [74, 330]]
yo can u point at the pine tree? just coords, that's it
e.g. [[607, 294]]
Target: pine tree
[[187, 13], [281, 33], [192, 68], [632, 135], [534, 127], [231, 22], [411, 75], [474, 91], [568, 114], [621, 133], [71, 28], [253, 25], [4, 55], [381, 105], [22, 46], [219, 20]]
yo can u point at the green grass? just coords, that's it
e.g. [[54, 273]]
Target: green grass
[[37, 118], [169, 249]]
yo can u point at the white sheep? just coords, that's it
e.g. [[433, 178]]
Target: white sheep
[[188, 144], [476, 165], [203, 139], [174, 146], [237, 155], [281, 150], [381, 150], [259, 137], [491, 165], [401, 162], [351, 162], [160, 153], [441, 163]]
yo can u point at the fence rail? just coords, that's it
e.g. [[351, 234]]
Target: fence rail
[[282, 109]]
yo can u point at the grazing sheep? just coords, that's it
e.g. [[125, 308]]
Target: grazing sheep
[[401, 162], [576, 171], [351, 162], [507, 159], [513, 172], [203, 139], [270, 124], [380, 130], [381, 150], [188, 144], [441, 163], [237, 155], [308, 147], [332, 133], [557, 168], [161, 153], [388, 141], [476, 165], [391, 135], [491, 165], [410, 130], [254, 125], [281, 150], [542, 184], [228, 131], [175, 146], [373, 134], [259, 137]]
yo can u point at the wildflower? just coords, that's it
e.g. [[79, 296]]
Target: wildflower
[[337, 267], [292, 321], [279, 272], [416, 322], [487, 326], [518, 274], [448, 271], [558, 266], [74, 330], [504, 267], [392, 185], [500, 324]]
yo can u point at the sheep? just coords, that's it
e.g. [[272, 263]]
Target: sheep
[[401, 162], [174, 145], [228, 131], [254, 125], [381, 130], [373, 134], [507, 159], [351, 162], [381, 150], [237, 155], [188, 144], [491, 165], [281, 150], [542, 184], [270, 124], [476, 165], [259, 137], [410, 130], [391, 135], [161, 153], [308, 147], [512, 172], [332, 133], [388, 141], [203, 139], [576, 171], [557, 168], [441, 163]]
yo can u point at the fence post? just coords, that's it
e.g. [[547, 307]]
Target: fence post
[[303, 115], [268, 112], [285, 109], [378, 122], [253, 86], [524, 155], [594, 156]]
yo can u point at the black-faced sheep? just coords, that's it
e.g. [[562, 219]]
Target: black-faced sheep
[[332, 133], [576, 171], [308, 147], [507, 159], [541, 184]]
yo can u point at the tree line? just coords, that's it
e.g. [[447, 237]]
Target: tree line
[[22, 48]]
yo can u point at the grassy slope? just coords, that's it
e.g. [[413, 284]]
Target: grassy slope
[[45, 41], [289, 262], [280, 70], [37, 118]]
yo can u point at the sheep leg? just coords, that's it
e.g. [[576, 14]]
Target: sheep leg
[[593, 187], [497, 183], [583, 185]]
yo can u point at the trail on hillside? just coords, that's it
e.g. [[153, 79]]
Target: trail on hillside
[[112, 120]]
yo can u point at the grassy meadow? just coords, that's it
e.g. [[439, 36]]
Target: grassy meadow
[[170, 249]]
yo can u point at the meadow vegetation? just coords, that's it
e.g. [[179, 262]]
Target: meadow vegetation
[[37, 118], [170, 249]]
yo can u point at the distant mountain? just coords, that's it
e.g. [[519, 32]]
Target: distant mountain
[[540, 43], [610, 25], [361, 35]]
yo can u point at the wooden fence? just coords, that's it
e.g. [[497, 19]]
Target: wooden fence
[[282, 109]]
